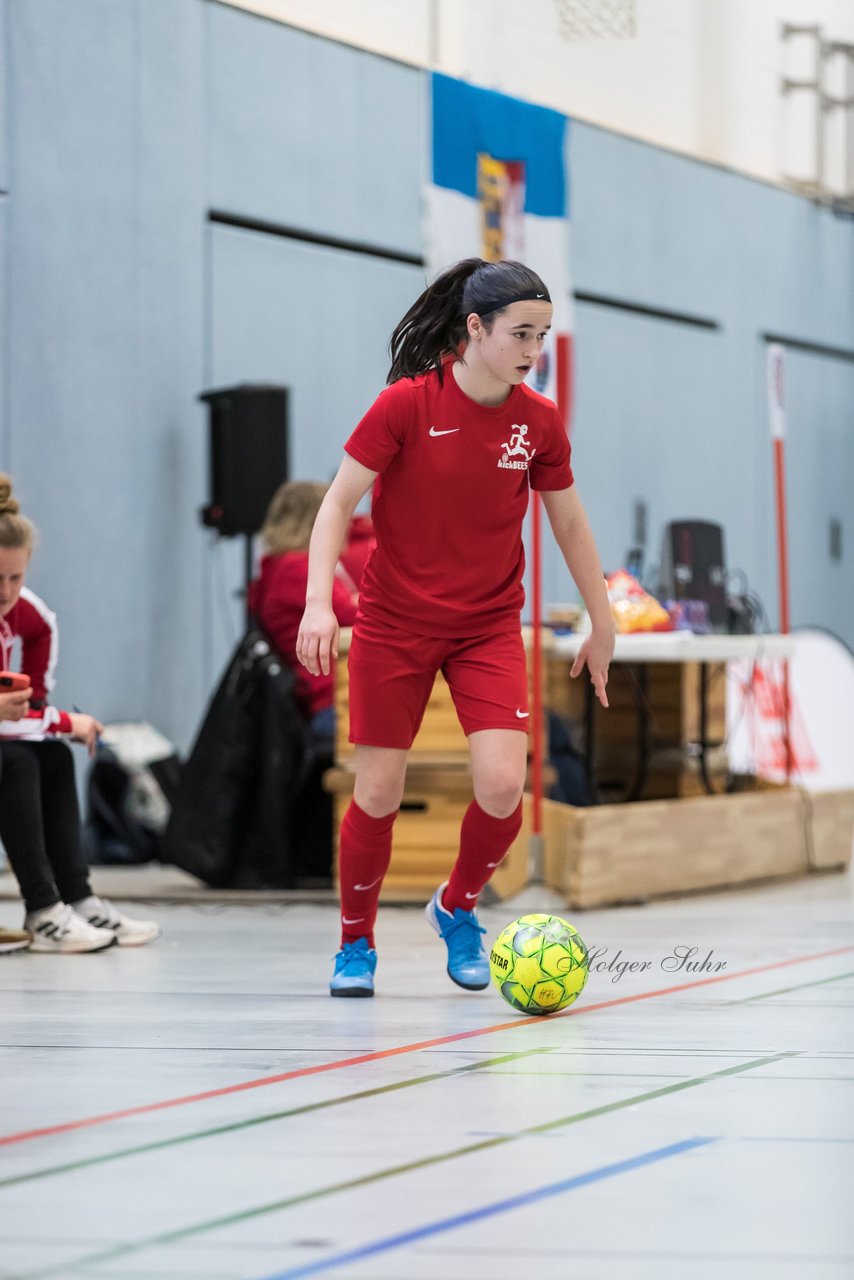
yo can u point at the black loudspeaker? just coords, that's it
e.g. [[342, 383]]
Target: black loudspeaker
[[693, 567], [248, 455]]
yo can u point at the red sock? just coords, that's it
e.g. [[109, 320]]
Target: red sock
[[364, 852], [484, 840]]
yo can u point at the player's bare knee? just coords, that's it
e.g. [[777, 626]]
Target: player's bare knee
[[378, 798], [499, 796]]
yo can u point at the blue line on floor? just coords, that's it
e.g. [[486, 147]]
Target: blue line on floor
[[784, 1138], [490, 1210]]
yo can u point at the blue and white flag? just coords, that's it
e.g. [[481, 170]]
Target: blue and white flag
[[499, 190]]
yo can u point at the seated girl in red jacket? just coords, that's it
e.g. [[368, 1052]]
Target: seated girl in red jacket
[[277, 595], [39, 814]]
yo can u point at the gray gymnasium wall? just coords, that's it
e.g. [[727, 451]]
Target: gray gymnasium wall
[[105, 339], [127, 122], [675, 414], [4, 232]]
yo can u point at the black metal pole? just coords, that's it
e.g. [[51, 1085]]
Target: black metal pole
[[247, 574]]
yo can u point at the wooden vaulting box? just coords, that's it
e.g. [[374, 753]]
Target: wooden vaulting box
[[622, 853], [676, 838]]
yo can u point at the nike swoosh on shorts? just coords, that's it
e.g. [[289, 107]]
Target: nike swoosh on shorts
[[522, 715]]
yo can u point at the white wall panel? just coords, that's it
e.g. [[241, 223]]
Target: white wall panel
[[385, 26]]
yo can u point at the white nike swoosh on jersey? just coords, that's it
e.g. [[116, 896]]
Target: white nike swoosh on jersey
[[355, 920], [368, 886], [449, 432], [522, 714]]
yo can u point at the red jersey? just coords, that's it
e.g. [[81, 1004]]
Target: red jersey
[[277, 600], [30, 622], [450, 501]]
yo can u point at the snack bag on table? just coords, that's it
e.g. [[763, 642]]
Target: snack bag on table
[[633, 608]]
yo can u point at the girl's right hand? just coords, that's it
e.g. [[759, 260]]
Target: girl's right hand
[[86, 729], [15, 705], [317, 641]]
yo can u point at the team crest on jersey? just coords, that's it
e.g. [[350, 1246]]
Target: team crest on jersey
[[517, 454]]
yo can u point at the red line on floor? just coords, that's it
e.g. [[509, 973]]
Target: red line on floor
[[378, 1055]]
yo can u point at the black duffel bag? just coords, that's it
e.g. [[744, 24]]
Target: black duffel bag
[[232, 816]]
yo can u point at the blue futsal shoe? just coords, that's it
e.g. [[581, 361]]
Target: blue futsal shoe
[[354, 970], [467, 962]]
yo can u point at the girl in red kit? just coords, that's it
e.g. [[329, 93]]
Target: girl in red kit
[[277, 595], [39, 815], [452, 446]]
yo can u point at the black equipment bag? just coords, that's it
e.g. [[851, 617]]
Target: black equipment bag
[[232, 818]]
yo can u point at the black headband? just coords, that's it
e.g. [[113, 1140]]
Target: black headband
[[530, 295]]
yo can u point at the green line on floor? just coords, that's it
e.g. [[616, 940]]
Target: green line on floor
[[73, 1165], [782, 991], [246, 1215]]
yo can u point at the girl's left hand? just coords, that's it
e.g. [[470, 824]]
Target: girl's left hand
[[15, 705], [596, 653], [86, 729]]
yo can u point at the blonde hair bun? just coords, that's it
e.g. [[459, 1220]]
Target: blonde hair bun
[[16, 531], [8, 504]]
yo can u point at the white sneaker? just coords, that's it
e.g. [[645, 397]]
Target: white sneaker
[[101, 913], [59, 928]]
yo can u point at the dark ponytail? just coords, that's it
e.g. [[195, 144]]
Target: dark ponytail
[[435, 325]]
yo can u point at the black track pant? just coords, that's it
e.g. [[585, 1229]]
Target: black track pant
[[40, 822]]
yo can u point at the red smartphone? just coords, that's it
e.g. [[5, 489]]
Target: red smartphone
[[13, 680]]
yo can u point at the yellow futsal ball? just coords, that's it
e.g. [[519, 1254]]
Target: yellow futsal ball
[[539, 963]]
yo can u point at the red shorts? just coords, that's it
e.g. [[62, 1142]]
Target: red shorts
[[392, 674]]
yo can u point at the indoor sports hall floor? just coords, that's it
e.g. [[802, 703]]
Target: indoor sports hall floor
[[201, 1108]]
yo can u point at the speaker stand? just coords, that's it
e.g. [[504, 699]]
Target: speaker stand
[[247, 574]]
